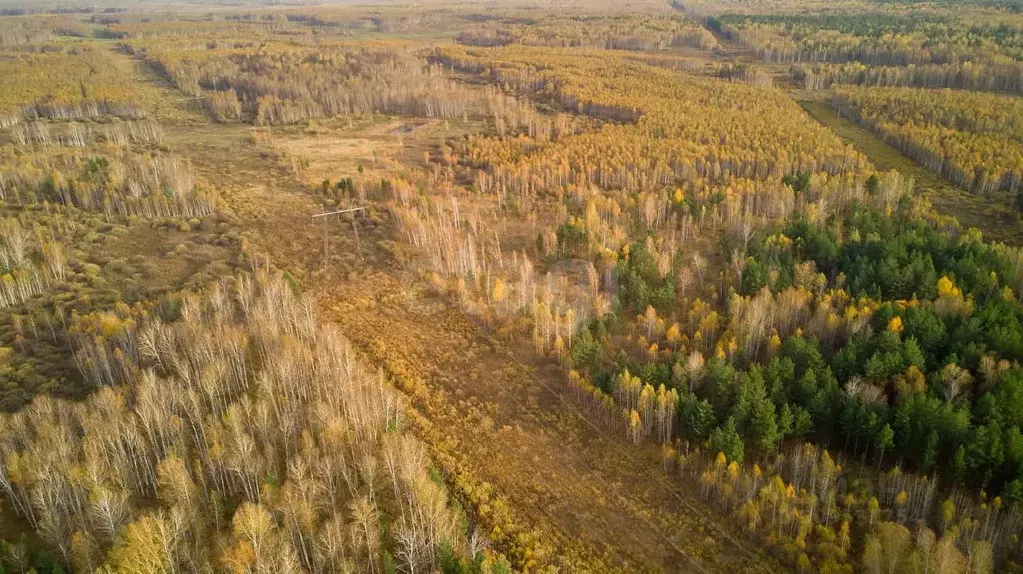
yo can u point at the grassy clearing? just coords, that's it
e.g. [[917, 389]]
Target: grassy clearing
[[992, 215], [366, 149]]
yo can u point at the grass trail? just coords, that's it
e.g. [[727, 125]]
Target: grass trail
[[992, 215]]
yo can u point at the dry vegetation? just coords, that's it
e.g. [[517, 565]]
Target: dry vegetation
[[243, 437], [99, 216], [68, 83], [294, 81], [615, 302]]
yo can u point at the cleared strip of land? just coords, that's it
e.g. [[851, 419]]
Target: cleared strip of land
[[498, 425], [993, 215]]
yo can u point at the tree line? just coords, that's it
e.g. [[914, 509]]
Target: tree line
[[971, 138], [293, 79], [877, 37], [65, 83], [618, 32], [962, 76]]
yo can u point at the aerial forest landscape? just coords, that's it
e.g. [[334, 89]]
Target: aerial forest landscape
[[496, 286]]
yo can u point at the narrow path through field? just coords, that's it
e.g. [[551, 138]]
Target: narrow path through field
[[495, 419]]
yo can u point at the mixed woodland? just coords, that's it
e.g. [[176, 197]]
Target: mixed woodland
[[798, 337]]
